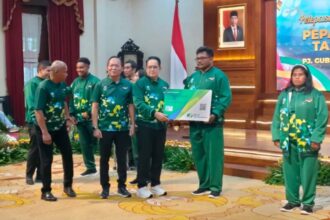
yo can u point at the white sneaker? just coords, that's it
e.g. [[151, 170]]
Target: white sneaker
[[157, 190], [144, 193]]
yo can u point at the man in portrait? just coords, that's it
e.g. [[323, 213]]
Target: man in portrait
[[234, 32]]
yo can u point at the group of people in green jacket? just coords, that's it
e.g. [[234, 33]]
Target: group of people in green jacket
[[115, 109]]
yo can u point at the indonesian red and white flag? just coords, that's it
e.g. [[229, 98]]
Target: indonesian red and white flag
[[178, 60]]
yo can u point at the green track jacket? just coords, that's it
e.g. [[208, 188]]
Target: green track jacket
[[300, 117]]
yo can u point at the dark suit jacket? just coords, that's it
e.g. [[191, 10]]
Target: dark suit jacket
[[228, 35]]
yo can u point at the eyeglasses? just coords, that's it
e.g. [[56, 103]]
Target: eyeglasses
[[201, 58], [152, 67]]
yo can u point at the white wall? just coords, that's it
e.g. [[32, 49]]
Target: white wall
[[153, 29], [110, 23], [3, 87]]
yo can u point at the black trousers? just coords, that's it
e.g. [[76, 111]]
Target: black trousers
[[33, 158], [151, 144], [62, 142], [122, 140]]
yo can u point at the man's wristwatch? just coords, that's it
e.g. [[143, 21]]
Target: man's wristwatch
[[94, 128]]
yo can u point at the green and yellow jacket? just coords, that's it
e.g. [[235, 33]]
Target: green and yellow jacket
[[148, 96], [300, 117], [82, 90], [51, 98], [114, 99]]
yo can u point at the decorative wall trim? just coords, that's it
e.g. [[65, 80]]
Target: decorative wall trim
[[67, 3], [73, 3]]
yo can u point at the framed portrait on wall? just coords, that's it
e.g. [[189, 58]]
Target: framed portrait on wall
[[232, 26]]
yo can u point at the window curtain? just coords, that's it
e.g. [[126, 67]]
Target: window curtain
[[65, 26], [12, 26]]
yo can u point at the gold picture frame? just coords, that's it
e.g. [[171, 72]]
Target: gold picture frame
[[232, 27]]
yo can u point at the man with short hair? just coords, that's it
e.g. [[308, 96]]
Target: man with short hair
[[234, 32], [113, 122], [207, 138], [52, 125], [33, 158], [81, 112], [130, 71]]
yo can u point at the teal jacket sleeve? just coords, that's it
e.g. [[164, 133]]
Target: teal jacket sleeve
[[40, 99], [275, 127], [97, 92], [186, 82], [138, 98], [223, 97], [130, 95], [29, 92], [71, 103], [321, 121]]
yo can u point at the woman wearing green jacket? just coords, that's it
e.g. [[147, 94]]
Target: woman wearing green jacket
[[299, 126]]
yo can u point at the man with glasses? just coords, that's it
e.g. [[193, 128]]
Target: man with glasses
[[207, 138]]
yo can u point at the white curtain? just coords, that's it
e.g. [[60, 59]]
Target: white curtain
[[31, 43]]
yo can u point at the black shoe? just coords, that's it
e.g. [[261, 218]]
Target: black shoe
[[69, 192], [214, 194], [48, 196], [104, 194], [306, 210], [200, 192], [289, 207], [88, 172], [122, 191], [29, 180], [133, 182]]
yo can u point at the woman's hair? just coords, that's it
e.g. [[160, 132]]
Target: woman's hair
[[309, 80], [153, 58]]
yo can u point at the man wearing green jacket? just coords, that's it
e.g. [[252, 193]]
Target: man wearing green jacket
[[33, 159], [113, 122], [81, 109], [52, 124], [207, 138], [298, 129], [151, 135]]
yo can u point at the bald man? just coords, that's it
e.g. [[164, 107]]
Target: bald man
[[52, 123]]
